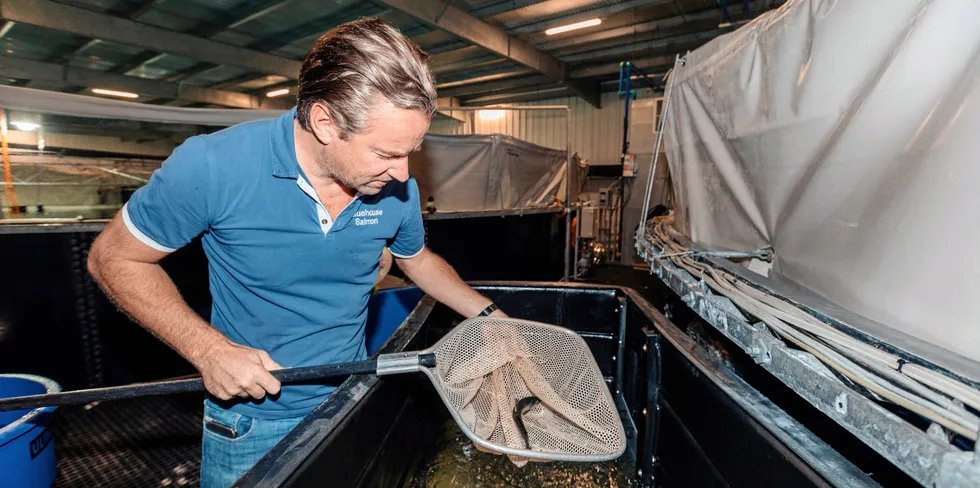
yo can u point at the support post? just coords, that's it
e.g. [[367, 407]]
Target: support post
[[578, 232], [8, 178], [568, 189], [656, 150]]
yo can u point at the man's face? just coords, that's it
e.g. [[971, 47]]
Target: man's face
[[369, 159]]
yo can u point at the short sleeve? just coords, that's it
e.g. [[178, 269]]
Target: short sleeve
[[410, 238], [172, 208]]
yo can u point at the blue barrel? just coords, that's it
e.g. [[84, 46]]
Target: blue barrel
[[27, 458], [387, 309]]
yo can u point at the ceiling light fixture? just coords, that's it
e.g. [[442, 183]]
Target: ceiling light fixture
[[114, 93], [277, 93], [491, 114], [570, 27], [26, 126]]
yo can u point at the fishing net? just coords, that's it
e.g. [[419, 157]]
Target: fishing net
[[528, 390]]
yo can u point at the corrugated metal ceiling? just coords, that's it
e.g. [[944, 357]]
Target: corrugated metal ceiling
[[548, 10], [634, 16], [287, 28]]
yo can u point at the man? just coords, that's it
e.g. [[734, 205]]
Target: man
[[295, 213]]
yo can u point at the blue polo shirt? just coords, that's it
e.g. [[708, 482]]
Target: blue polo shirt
[[284, 276]]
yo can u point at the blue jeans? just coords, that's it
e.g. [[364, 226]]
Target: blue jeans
[[232, 443]]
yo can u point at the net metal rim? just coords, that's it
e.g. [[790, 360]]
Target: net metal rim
[[526, 453]]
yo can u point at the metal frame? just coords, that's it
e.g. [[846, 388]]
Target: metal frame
[[656, 147], [50, 228], [912, 450], [568, 163], [820, 456], [487, 213]]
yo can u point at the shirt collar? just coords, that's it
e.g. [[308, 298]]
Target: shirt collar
[[284, 162]]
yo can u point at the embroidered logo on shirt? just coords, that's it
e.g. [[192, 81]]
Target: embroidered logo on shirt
[[367, 213]]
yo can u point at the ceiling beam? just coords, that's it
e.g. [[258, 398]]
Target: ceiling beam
[[434, 37], [247, 11], [6, 28], [506, 92], [55, 73], [316, 26], [647, 64], [289, 36], [132, 10], [480, 63], [272, 82], [82, 22], [49, 85], [503, 7], [493, 86], [454, 20], [482, 79], [627, 51], [446, 102], [703, 20], [455, 56], [656, 77], [527, 96]]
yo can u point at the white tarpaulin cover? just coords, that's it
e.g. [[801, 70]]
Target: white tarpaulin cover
[[487, 172], [846, 135], [49, 102]]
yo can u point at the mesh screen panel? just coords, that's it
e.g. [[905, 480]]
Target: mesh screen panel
[[58, 186]]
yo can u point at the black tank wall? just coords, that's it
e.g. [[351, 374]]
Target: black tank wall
[[55, 322]]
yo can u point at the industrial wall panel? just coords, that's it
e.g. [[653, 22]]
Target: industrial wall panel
[[597, 134]]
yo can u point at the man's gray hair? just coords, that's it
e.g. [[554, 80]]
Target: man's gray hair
[[352, 64]]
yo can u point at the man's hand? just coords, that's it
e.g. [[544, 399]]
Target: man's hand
[[231, 370]]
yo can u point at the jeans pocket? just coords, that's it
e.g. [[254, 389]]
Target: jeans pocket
[[227, 425]]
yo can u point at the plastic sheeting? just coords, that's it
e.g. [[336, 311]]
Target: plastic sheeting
[[844, 134], [487, 172], [463, 173], [49, 102]]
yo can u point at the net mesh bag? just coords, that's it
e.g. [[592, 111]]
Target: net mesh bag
[[533, 388]]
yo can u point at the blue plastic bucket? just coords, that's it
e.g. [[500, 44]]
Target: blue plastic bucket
[[27, 458], [387, 309]]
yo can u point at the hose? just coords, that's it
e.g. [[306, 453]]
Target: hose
[[917, 389]]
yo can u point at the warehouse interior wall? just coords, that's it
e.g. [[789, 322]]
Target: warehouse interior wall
[[597, 133]]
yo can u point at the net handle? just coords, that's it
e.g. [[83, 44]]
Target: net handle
[[169, 387]]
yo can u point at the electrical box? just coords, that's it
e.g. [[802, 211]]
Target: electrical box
[[603, 199], [586, 226], [629, 166]]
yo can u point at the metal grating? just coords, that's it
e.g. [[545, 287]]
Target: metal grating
[[139, 443]]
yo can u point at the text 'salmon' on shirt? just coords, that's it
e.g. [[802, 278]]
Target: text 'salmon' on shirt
[[284, 276]]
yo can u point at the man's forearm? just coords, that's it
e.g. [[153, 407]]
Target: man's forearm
[[438, 279], [148, 295]]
